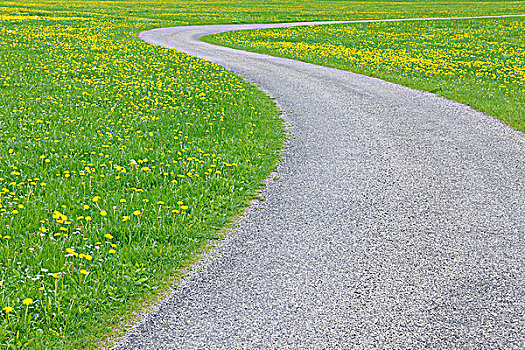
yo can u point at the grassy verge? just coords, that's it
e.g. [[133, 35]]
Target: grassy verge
[[121, 160], [477, 62]]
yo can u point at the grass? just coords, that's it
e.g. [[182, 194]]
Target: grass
[[478, 62], [121, 160], [184, 12]]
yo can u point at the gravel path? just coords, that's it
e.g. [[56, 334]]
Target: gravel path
[[397, 222]]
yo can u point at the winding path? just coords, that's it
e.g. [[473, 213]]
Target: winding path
[[397, 222]]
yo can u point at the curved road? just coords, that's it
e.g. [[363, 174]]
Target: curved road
[[397, 222]]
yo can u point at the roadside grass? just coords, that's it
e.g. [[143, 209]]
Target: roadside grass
[[120, 160], [478, 62]]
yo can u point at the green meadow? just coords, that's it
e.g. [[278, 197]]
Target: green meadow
[[121, 161], [478, 62]]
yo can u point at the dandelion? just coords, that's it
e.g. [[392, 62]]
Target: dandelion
[[103, 213], [56, 276], [112, 252], [7, 310], [108, 236], [136, 212], [27, 302], [82, 273]]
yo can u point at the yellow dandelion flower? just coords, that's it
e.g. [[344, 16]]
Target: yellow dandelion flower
[[8, 309]]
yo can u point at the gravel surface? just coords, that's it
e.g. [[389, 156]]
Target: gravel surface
[[397, 222]]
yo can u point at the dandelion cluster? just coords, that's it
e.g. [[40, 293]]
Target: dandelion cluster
[[118, 159], [480, 62], [183, 12]]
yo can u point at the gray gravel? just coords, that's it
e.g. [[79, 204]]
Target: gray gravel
[[397, 222]]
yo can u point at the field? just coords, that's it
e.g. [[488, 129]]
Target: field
[[122, 160], [184, 12], [477, 62]]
